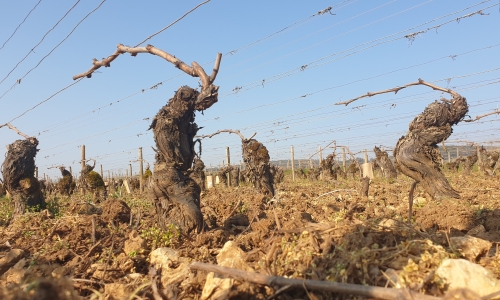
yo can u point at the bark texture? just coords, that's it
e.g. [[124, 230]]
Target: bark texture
[[417, 155], [468, 163], [365, 186], [256, 158], [277, 173], [331, 169], [176, 195], [198, 173], [327, 166], [224, 173], [385, 163], [18, 171], [92, 181], [353, 169], [301, 173], [489, 161], [314, 173], [66, 185]]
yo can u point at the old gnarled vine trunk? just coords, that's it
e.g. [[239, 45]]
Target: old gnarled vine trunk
[[18, 171], [93, 182], [417, 154], [66, 185], [385, 163], [176, 194], [256, 158]]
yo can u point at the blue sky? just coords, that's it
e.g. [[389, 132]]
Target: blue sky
[[263, 88]]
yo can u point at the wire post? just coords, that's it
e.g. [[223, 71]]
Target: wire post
[[320, 154], [366, 156], [344, 159], [102, 176], [130, 170], [228, 159], [141, 171], [293, 163], [36, 172], [479, 160], [83, 166], [449, 156]]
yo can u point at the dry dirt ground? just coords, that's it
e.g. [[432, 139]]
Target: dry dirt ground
[[322, 230]]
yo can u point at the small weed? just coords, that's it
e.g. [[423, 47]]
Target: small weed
[[59, 245], [54, 207], [338, 216], [6, 210], [157, 237], [36, 208], [29, 233]]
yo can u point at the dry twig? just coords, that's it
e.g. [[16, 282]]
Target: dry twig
[[495, 112], [397, 89], [194, 70], [15, 129], [335, 191], [335, 287], [228, 131]]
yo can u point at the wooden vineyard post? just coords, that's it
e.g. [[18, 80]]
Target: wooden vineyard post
[[479, 159], [71, 170], [367, 168], [449, 156], [344, 160], [83, 166], [320, 155], [130, 170], [36, 172], [141, 171], [458, 153], [109, 175], [228, 159], [293, 163]]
